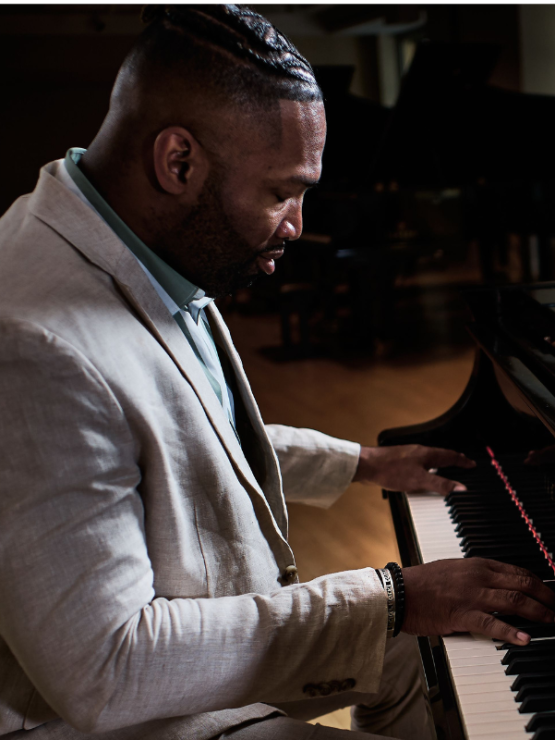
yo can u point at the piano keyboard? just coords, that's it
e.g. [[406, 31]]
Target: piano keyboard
[[504, 692]]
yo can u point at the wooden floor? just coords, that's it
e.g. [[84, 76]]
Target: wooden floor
[[354, 401]]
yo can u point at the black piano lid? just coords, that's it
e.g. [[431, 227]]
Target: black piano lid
[[515, 327]]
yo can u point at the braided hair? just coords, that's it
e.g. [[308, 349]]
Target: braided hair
[[230, 48]]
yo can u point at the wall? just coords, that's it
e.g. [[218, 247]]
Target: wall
[[537, 38]]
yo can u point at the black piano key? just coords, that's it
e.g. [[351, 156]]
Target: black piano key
[[519, 532], [536, 687], [534, 629], [483, 526], [490, 540], [496, 552], [518, 545], [491, 507], [459, 517], [530, 664], [543, 719], [523, 679], [545, 733], [501, 512], [538, 703], [537, 647], [477, 499]]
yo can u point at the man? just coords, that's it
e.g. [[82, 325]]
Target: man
[[147, 586]]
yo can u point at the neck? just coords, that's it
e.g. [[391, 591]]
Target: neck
[[117, 183]]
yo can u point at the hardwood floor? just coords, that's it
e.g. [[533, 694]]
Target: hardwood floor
[[354, 401]]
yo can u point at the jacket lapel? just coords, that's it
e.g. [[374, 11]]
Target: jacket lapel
[[66, 214], [273, 485]]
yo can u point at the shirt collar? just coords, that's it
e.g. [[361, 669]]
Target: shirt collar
[[178, 288]]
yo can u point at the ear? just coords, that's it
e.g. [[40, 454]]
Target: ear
[[180, 162]]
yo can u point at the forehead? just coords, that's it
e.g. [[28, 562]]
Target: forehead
[[296, 151]]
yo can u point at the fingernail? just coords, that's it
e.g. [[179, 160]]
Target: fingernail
[[523, 637], [459, 487]]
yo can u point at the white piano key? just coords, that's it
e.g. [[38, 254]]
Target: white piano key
[[474, 660], [506, 706], [497, 717], [488, 695], [466, 638], [434, 529], [471, 679], [474, 688], [476, 670], [511, 735]]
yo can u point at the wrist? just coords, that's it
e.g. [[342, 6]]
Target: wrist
[[367, 464]]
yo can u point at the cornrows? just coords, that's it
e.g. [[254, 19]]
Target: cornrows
[[238, 30]]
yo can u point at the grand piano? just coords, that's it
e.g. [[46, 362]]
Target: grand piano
[[482, 689]]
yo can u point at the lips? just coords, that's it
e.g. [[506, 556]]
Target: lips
[[266, 261]]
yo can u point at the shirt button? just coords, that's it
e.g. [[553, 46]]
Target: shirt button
[[290, 572]]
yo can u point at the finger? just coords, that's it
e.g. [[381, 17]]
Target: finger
[[487, 624], [516, 602], [440, 485], [513, 578], [534, 457], [439, 458], [541, 457]]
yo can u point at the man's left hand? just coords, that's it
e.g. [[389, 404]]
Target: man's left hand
[[407, 468]]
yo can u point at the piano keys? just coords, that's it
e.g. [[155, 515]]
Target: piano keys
[[500, 689], [482, 689]]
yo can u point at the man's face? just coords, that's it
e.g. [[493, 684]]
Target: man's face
[[247, 213]]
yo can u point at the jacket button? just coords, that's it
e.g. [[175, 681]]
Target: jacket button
[[290, 572], [325, 689]]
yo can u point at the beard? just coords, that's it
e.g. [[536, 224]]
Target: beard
[[207, 249]]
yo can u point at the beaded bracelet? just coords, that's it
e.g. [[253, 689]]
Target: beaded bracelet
[[397, 575], [389, 588]]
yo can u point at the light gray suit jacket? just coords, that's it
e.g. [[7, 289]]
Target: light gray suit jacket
[[142, 560]]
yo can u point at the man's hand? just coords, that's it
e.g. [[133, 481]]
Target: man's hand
[[406, 468], [460, 595], [545, 456]]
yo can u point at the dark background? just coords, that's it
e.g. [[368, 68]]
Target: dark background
[[59, 63], [437, 172]]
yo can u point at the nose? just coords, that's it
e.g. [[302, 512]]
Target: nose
[[291, 226]]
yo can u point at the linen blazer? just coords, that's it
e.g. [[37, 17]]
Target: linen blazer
[[142, 560]]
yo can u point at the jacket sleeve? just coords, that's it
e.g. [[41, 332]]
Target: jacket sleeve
[[316, 469], [77, 604]]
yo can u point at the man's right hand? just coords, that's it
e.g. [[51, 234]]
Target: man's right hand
[[460, 595]]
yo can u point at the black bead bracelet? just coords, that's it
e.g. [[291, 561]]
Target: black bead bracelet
[[397, 575]]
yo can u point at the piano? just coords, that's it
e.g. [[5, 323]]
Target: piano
[[481, 689]]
